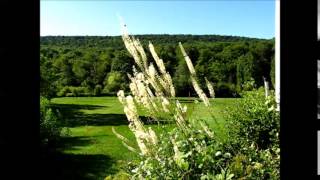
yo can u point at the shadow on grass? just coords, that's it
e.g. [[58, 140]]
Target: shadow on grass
[[77, 166], [72, 143], [59, 165], [186, 100], [73, 117]]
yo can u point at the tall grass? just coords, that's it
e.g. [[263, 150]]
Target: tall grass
[[191, 149]]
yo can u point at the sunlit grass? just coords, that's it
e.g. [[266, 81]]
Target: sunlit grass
[[93, 117]]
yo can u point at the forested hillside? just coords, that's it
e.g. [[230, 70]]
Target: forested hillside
[[95, 65]]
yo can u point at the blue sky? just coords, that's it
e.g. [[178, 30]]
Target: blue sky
[[230, 17]]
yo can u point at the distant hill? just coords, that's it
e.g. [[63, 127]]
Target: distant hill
[[88, 64], [116, 41]]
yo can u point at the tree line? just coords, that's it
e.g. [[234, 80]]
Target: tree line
[[97, 65]]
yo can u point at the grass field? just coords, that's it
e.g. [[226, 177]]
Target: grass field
[[92, 151]]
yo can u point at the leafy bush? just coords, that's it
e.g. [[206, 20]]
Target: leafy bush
[[63, 91], [254, 127], [249, 85], [47, 89], [251, 163], [71, 91], [114, 81], [192, 155], [50, 128], [121, 175], [255, 120]]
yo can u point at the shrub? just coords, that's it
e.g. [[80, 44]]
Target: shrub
[[118, 176], [114, 82], [249, 85], [255, 120], [71, 91], [48, 90], [50, 128], [254, 128], [181, 155], [63, 91]]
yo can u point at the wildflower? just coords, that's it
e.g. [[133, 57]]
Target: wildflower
[[140, 49], [184, 109], [163, 83], [134, 89], [227, 155], [257, 165], [165, 104], [152, 71], [140, 76], [153, 136], [188, 60], [121, 97], [218, 153], [140, 133], [130, 46], [143, 148], [168, 79], [178, 156], [267, 101], [177, 153], [130, 110], [141, 89], [148, 173], [135, 124], [156, 58], [181, 109], [188, 153], [206, 129], [178, 104], [135, 170], [152, 81], [180, 120], [272, 108], [132, 114], [199, 91], [252, 145], [210, 87], [134, 70]]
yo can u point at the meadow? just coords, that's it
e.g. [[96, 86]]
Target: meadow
[[91, 150]]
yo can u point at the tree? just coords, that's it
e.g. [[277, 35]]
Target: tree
[[181, 81], [115, 81], [86, 61], [122, 62], [245, 68]]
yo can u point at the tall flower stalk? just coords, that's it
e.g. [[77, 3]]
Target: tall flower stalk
[[154, 91], [193, 77], [210, 88]]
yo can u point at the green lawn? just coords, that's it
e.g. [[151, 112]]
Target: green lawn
[[92, 151]]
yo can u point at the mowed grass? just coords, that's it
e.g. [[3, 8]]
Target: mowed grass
[[91, 150]]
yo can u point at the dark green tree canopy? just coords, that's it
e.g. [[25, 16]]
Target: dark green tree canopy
[[101, 63]]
